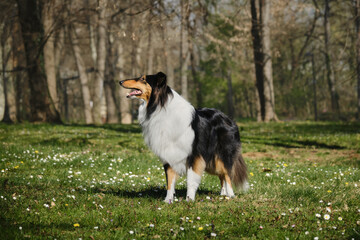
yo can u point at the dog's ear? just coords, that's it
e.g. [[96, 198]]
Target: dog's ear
[[161, 78]]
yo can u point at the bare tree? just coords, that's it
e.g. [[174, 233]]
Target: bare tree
[[49, 49], [150, 50], [42, 107], [100, 62], [109, 84], [357, 26], [184, 51], [330, 75], [8, 62], [167, 59], [260, 13], [125, 111], [267, 62], [82, 74]]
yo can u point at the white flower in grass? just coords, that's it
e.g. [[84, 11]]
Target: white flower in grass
[[318, 215], [131, 232], [213, 234], [326, 216]]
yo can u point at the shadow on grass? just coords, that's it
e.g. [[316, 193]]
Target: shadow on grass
[[153, 192], [328, 128], [127, 128], [10, 230], [291, 143]]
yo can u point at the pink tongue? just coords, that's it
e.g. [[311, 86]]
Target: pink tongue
[[136, 92]]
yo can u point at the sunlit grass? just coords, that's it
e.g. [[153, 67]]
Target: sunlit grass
[[72, 182]]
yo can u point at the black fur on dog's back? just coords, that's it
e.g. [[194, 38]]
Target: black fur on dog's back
[[217, 136]]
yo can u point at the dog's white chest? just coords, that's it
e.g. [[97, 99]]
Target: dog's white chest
[[168, 132]]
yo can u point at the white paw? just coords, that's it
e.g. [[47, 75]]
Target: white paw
[[230, 195], [169, 200], [190, 199]]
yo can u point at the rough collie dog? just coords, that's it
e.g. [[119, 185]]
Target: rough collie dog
[[187, 140]]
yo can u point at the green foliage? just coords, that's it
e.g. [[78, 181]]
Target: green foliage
[[71, 182]]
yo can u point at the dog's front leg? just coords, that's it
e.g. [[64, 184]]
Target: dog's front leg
[[194, 174], [171, 177]]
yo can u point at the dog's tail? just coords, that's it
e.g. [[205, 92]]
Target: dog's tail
[[239, 172]]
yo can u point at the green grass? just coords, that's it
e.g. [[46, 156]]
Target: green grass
[[71, 182]]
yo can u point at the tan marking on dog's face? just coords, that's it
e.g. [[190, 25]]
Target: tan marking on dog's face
[[140, 84]]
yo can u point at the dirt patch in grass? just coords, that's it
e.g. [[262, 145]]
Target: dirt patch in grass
[[320, 157]]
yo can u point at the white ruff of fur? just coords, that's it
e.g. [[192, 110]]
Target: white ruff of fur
[[168, 131]]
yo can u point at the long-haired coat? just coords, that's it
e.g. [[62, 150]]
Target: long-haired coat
[[187, 140]]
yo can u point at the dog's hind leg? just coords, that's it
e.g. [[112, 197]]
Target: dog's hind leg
[[194, 174], [222, 182], [171, 177], [226, 185]]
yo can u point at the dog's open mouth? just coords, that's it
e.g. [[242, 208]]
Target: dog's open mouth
[[135, 92]]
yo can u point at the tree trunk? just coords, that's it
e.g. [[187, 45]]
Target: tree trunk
[[82, 74], [125, 104], [2, 92], [42, 108], [8, 62], [357, 25], [267, 63], [184, 51], [260, 31], [21, 79], [90, 19], [100, 63], [150, 53], [258, 61], [49, 50], [197, 83], [167, 61], [111, 116], [314, 87], [330, 76], [109, 86], [230, 95]]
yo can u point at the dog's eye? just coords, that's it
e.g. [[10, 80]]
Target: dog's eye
[[142, 78]]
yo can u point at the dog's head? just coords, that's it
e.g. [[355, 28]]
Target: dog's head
[[151, 88]]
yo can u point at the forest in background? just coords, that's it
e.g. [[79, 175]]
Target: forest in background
[[61, 60]]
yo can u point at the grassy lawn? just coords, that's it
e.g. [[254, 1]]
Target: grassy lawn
[[72, 182]]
